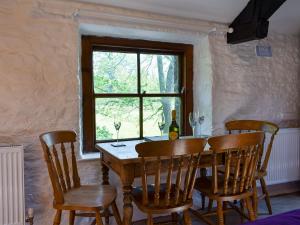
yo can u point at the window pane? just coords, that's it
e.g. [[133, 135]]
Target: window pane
[[124, 110], [157, 109], [114, 72], [159, 73]]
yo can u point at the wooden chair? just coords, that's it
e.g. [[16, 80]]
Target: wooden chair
[[180, 159], [69, 194], [241, 153], [267, 127]]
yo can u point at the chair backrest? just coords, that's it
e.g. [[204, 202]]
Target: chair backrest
[[241, 153], [55, 146], [256, 125], [182, 157]]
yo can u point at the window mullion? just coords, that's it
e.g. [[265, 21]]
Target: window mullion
[[139, 93]]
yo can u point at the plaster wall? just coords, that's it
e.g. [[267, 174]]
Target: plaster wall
[[38, 89], [203, 83], [249, 87], [40, 85]]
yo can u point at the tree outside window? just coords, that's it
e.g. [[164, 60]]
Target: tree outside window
[[138, 87]]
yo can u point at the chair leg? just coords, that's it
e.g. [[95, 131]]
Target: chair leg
[[255, 198], [250, 209], [150, 220], [174, 217], [210, 204], [202, 201], [72, 217], [106, 213], [187, 217], [116, 213], [242, 209], [266, 193], [224, 210], [220, 215], [98, 218], [57, 217]]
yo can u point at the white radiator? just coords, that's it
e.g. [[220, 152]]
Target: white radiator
[[284, 163], [11, 185]]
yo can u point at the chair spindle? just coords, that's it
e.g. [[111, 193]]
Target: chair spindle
[[169, 181], [66, 166], [157, 182], [59, 170]]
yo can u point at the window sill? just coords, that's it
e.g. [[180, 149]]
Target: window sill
[[89, 156]]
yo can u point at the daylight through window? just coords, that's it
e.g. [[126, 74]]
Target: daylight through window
[[136, 87]]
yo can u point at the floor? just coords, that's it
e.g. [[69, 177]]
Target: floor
[[280, 204]]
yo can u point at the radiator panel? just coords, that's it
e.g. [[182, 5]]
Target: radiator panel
[[11, 185], [284, 163]]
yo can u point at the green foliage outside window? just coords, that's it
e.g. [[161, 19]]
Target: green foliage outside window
[[116, 72]]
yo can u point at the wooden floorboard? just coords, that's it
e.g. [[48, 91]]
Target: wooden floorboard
[[280, 204]]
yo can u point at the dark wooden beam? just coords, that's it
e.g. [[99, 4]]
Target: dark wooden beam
[[252, 23]]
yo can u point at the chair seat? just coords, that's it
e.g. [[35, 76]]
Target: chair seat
[[89, 197], [204, 185], [137, 194], [258, 174]]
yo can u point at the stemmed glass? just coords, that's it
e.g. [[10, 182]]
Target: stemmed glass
[[161, 124], [117, 127], [201, 120], [193, 119]]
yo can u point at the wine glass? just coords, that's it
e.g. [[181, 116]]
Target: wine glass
[[117, 127], [193, 119], [201, 120], [161, 124]]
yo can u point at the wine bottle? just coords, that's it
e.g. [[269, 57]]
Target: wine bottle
[[174, 128]]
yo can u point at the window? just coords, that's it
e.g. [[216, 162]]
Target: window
[[134, 82]]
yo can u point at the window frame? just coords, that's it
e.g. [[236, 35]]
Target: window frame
[[92, 43]]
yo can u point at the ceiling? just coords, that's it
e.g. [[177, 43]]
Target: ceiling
[[285, 20]]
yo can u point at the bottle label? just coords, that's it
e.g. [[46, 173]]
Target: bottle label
[[173, 135]]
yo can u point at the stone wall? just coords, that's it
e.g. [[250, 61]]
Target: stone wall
[[247, 86], [38, 89], [40, 86]]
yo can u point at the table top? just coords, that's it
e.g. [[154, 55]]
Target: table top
[[123, 152], [127, 153]]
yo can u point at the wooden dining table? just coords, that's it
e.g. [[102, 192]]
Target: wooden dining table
[[125, 163]]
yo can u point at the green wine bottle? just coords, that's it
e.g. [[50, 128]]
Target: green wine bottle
[[174, 128]]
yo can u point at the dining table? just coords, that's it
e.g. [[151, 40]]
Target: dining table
[[124, 161]]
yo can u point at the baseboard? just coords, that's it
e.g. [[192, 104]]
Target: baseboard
[[284, 188]]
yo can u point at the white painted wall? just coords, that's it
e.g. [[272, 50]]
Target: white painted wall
[[203, 83], [40, 88], [246, 86]]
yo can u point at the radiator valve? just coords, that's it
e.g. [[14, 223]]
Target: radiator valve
[[30, 216]]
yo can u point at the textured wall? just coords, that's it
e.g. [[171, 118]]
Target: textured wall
[[203, 84], [246, 86], [38, 89], [39, 86]]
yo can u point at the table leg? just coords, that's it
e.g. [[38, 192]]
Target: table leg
[[105, 174], [203, 173], [127, 207]]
